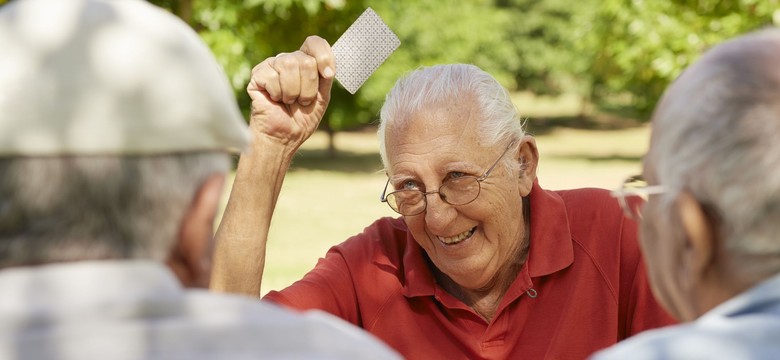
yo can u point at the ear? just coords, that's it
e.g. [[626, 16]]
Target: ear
[[190, 258], [527, 157], [701, 243]]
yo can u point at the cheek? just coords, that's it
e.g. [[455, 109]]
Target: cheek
[[654, 237], [502, 217], [416, 225], [653, 262], [662, 260], [647, 237]]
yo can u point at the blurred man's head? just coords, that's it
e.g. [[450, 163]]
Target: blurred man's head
[[115, 127], [715, 148]]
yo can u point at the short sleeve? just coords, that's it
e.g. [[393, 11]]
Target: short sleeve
[[328, 287]]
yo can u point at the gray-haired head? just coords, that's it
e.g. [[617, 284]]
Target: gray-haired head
[[112, 115], [715, 135], [109, 77], [452, 83], [73, 208]]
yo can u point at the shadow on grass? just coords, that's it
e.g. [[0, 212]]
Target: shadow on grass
[[600, 158], [601, 121], [344, 161], [349, 162]]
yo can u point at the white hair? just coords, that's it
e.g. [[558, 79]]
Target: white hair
[[717, 138], [452, 83], [72, 208]]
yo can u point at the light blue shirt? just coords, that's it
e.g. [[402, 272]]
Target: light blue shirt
[[133, 310], [744, 327]]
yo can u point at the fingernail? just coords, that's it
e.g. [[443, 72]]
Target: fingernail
[[305, 103], [328, 72]]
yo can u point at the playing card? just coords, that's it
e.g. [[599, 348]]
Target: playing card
[[362, 48]]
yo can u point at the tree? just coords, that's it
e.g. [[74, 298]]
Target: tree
[[615, 52], [546, 37], [243, 33], [642, 45]]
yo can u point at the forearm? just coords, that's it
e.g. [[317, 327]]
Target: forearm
[[290, 93], [239, 257]]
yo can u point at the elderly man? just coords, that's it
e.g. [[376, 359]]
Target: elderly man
[[482, 263], [710, 228], [115, 127]]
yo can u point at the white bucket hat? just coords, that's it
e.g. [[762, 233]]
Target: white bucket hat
[[102, 77]]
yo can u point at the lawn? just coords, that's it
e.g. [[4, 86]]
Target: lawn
[[324, 200]]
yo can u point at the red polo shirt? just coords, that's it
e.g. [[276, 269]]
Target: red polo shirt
[[582, 288]]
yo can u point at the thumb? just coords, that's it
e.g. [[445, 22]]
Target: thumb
[[325, 85]]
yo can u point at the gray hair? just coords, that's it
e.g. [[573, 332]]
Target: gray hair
[[452, 83], [718, 139], [70, 208]]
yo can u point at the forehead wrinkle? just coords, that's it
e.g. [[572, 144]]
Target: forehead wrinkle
[[430, 139], [470, 121]]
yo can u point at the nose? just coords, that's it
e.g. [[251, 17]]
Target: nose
[[438, 214]]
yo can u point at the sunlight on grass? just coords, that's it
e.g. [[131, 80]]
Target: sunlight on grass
[[529, 104], [571, 158]]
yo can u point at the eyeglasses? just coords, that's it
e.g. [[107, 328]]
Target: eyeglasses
[[635, 187], [454, 191]]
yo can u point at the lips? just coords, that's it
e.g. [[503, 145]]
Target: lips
[[452, 240]]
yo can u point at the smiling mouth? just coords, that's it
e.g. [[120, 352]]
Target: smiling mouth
[[457, 238]]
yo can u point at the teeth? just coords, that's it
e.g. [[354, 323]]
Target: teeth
[[457, 238]]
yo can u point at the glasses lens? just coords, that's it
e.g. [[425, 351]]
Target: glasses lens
[[460, 191], [406, 202]]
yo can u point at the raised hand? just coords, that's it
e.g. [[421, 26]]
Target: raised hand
[[291, 91]]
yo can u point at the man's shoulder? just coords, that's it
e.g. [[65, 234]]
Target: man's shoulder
[[693, 341], [589, 199], [266, 328], [136, 310], [651, 344], [596, 219], [385, 241]]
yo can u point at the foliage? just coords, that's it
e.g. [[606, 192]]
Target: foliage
[[615, 52], [244, 33], [642, 45], [547, 38], [445, 31]]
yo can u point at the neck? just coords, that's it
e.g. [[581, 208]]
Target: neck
[[485, 300], [727, 280]]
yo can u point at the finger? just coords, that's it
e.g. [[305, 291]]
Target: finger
[[309, 79], [324, 89], [289, 76], [319, 49], [265, 79]]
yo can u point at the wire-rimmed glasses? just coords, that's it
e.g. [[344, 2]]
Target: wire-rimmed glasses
[[454, 191], [635, 186]]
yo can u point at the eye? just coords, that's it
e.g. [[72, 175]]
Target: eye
[[409, 185], [455, 175]]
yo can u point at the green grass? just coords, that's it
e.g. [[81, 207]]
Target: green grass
[[324, 201]]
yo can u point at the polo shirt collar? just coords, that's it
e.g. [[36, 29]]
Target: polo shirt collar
[[551, 242], [418, 278], [551, 247]]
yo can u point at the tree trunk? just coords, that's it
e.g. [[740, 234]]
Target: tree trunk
[[585, 101], [331, 138], [184, 11]]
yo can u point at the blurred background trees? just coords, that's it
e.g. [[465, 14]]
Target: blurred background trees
[[617, 56]]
